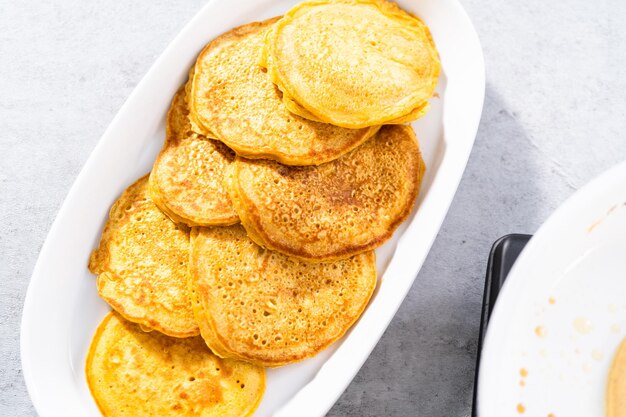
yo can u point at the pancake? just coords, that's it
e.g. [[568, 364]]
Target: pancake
[[193, 120], [187, 177], [233, 98], [616, 384], [134, 373], [333, 211], [267, 308], [352, 63], [141, 264], [295, 108]]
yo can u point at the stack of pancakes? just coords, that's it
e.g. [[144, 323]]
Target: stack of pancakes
[[250, 244]]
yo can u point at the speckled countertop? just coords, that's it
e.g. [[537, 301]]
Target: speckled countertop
[[554, 117]]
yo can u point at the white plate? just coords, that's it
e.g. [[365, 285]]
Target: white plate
[[62, 308], [562, 311]]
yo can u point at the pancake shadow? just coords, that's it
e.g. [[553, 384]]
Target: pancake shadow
[[424, 364]]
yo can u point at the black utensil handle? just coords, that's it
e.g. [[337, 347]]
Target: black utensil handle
[[503, 255]]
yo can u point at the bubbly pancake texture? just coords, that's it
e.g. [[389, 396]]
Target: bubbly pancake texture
[[142, 264], [134, 373], [195, 123], [234, 98], [186, 181], [267, 308], [353, 63], [335, 210]]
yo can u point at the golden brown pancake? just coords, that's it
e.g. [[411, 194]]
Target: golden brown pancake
[[132, 373], [193, 120], [142, 264], [267, 308], [186, 181], [233, 98], [353, 63], [335, 210], [616, 384]]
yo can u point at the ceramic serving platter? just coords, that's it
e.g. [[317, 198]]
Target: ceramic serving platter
[[62, 308]]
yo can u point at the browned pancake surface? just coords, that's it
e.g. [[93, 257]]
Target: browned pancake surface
[[186, 181], [141, 264], [267, 308], [348, 206], [233, 98], [134, 373]]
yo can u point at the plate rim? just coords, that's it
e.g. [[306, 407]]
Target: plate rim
[[506, 305]]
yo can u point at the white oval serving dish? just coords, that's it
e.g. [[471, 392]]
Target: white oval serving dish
[[62, 308]]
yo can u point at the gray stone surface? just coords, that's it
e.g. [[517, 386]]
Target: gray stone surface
[[554, 118]]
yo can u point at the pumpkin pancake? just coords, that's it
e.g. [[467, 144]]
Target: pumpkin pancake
[[267, 308], [233, 98], [193, 120], [333, 211], [142, 264], [134, 373], [187, 177], [616, 384], [353, 63]]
